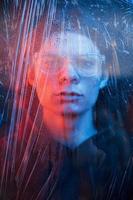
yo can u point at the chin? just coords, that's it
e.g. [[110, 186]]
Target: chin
[[67, 109], [70, 111]]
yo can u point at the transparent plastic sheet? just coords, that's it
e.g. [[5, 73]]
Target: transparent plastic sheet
[[35, 165]]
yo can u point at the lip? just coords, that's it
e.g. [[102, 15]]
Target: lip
[[69, 94], [69, 97]]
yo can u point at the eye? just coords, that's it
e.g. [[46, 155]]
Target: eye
[[86, 63], [47, 63], [51, 64]]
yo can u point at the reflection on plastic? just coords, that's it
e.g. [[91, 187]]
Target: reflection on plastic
[[65, 97]]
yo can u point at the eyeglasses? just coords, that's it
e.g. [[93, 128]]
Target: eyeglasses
[[89, 65]]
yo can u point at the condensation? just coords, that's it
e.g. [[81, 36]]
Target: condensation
[[20, 115]]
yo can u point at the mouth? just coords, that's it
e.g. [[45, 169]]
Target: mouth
[[71, 94], [69, 97]]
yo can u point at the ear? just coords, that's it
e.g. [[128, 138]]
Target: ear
[[105, 75], [31, 76], [104, 82]]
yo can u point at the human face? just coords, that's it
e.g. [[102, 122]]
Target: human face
[[64, 85]]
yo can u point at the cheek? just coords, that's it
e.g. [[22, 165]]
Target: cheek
[[92, 91], [94, 96], [44, 89]]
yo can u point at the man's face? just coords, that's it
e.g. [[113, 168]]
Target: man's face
[[67, 72]]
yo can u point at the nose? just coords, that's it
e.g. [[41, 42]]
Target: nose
[[68, 74]]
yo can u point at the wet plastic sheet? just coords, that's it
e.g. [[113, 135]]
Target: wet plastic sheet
[[66, 99]]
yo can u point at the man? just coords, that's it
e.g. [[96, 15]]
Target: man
[[60, 152]]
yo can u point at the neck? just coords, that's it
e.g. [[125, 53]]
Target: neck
[[70, 129]]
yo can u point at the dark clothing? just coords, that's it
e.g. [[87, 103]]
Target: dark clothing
[[99, 169]]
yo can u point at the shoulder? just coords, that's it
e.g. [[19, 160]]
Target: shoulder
[[114, 142]]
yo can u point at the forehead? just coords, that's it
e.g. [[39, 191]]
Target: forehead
[[69, 44]]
